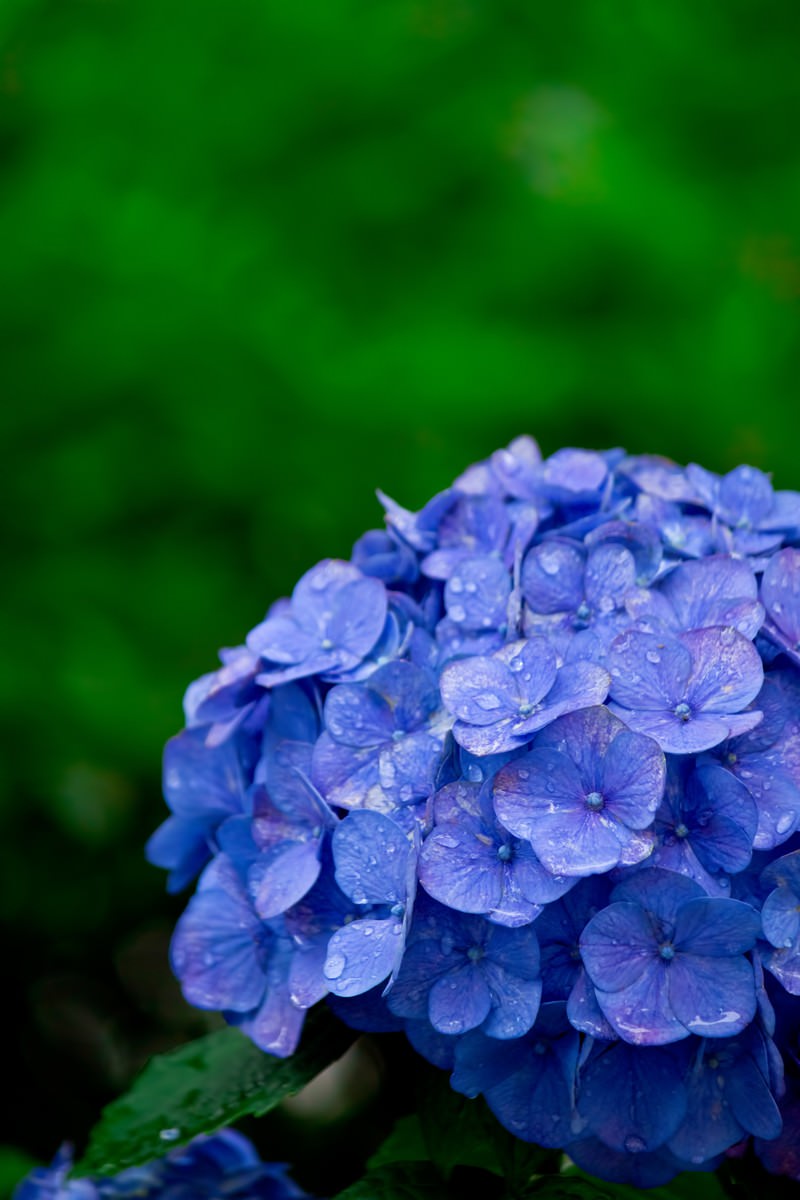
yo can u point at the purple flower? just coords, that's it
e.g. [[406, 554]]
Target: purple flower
[[334, 619], [462, 972], [567, 587], [203, 786], [501, 701], [226, 958], [376, 869], [584, 795], [780, 592], [688, 691], [470, 863], [384, 740], [667, 961], [719, 590], [528, 1083], [705, 825]]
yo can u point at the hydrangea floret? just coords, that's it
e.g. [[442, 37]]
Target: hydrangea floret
[[522, 778], [220, 1164]]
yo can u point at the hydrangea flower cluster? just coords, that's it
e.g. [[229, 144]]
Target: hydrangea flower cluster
[[522, 779], [223, 1164]]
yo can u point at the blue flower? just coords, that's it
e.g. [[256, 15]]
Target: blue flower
[[384, 741], [780, 592], [223, 1163], [461, 972], [501, 701], [334, 619], [584, 794], [687, 692], [668, 961], [472, 864], [375, 865]]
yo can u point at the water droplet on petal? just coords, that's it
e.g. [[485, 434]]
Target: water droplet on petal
[[334, 966], [169, 1135]]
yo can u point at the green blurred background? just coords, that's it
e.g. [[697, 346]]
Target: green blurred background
[[257, 258]]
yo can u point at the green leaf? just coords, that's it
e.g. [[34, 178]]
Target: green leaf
[[462, 1132], [399, 1181], [690, 1185], [404, 1144], [14, 1164], [203, 1086]]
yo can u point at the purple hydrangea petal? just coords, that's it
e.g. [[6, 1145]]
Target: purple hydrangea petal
[[281, 877], [633, 775], [633, 1097], [552, 576], [358, 716], [528, 791], [618, 946], [610, 573], [460, 1000], [727, 672], [585, 1013], [715, 928], [780, 917], [712, 996], [216, 953], [362, 954], [718, 590], [648, 672], [780, 592], [642, 1013], [371, 855], [476, 594], [480, 691], [458, 868], [658, 892]]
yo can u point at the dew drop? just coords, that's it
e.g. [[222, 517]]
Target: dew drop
[[653, 656], [334, 966], [634, 1144], [457, 613], [783, 823], [169, 1135], [456, 584]]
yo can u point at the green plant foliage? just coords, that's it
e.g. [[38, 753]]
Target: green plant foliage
[[202, 1086], [399, 1181]]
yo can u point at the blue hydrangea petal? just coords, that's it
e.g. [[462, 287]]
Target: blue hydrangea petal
[[281, 639], [423, 963], [712, 996], [645, 1170], [727, 672], [783, 872], [578, 685], [633, 776], [481, 1062], [476, 594], [722, 817], [357, 715], [362, 954], [658, 892], [585, 1013], [710, 1127], [718, 590], [358, 620], [347, 776], [307, 982], [371, 855], [648, 672], [436, 1048], [516, 1003], [579, 842], [215, 952], [533, 666], [780, 592], [530, 789], [784, 964], [610, 573], [570, 473], [633, 1097], [281, 877], [480, 691], [459, 869], [745, 496], [552, 576], [677, 736], [642, 1013], [618, 945], [780, 916], [715, 928], [751, 1100], [182, 847], [460, 1000], [276, 1026], [535, 882], [515, 950]]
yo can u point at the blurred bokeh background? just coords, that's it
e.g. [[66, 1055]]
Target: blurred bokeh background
[[258, 258]]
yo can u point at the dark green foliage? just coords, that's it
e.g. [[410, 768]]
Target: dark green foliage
[[204, 1086]]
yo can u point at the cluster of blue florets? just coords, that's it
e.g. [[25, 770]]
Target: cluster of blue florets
[[222, 1164], [522, 779]]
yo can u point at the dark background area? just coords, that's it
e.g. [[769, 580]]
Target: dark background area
[[259, 258]]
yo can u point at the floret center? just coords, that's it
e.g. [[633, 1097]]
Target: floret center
[[667, 951], [595, 801], [681, 831], [504, 852], [682, 711]]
